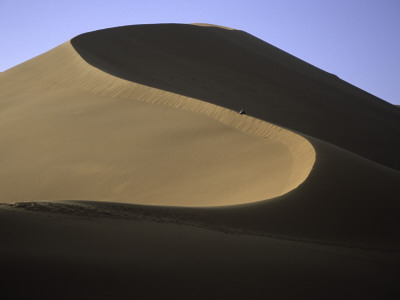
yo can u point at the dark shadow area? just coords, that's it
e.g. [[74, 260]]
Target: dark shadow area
[[92, 258], [236, 70]]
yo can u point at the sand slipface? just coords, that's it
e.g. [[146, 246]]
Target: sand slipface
[[77, 133]]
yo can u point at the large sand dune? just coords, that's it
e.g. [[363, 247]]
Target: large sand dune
[[149, 115]]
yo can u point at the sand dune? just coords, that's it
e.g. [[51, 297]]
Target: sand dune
[[303, 186]]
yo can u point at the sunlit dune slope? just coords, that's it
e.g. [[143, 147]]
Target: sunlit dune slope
[[232, 68], [71, 131]]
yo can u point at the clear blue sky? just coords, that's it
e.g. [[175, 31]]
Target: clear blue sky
[[358, 40]]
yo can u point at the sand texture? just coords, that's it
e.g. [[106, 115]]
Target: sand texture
[[127, 172]]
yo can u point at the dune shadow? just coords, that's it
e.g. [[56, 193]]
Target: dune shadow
[[235, 70]]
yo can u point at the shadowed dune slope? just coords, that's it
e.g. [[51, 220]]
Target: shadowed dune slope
[[116, 116], [232, 68]]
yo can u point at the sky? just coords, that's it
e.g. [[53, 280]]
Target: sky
[[358, 40]]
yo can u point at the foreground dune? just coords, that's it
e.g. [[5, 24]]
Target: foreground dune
[[81, 256], [303, 188]]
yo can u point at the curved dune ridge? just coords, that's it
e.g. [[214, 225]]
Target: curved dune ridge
[[75, 132], [231, 68]]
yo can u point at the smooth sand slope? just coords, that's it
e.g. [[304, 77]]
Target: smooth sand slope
[[148, 115], [77, 133], [73, 256]]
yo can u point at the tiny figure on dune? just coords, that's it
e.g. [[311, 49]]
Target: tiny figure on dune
[[242, 112]]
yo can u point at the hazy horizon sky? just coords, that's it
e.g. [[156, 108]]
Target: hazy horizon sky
[[358, 40]]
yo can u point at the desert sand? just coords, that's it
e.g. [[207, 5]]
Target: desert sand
[[127, 172]]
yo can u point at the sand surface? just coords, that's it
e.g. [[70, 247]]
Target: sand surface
[[139, 256], [94, 136], [128, 172]]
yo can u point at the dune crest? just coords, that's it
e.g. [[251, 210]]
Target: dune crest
[[85, 134], [212, 25]]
